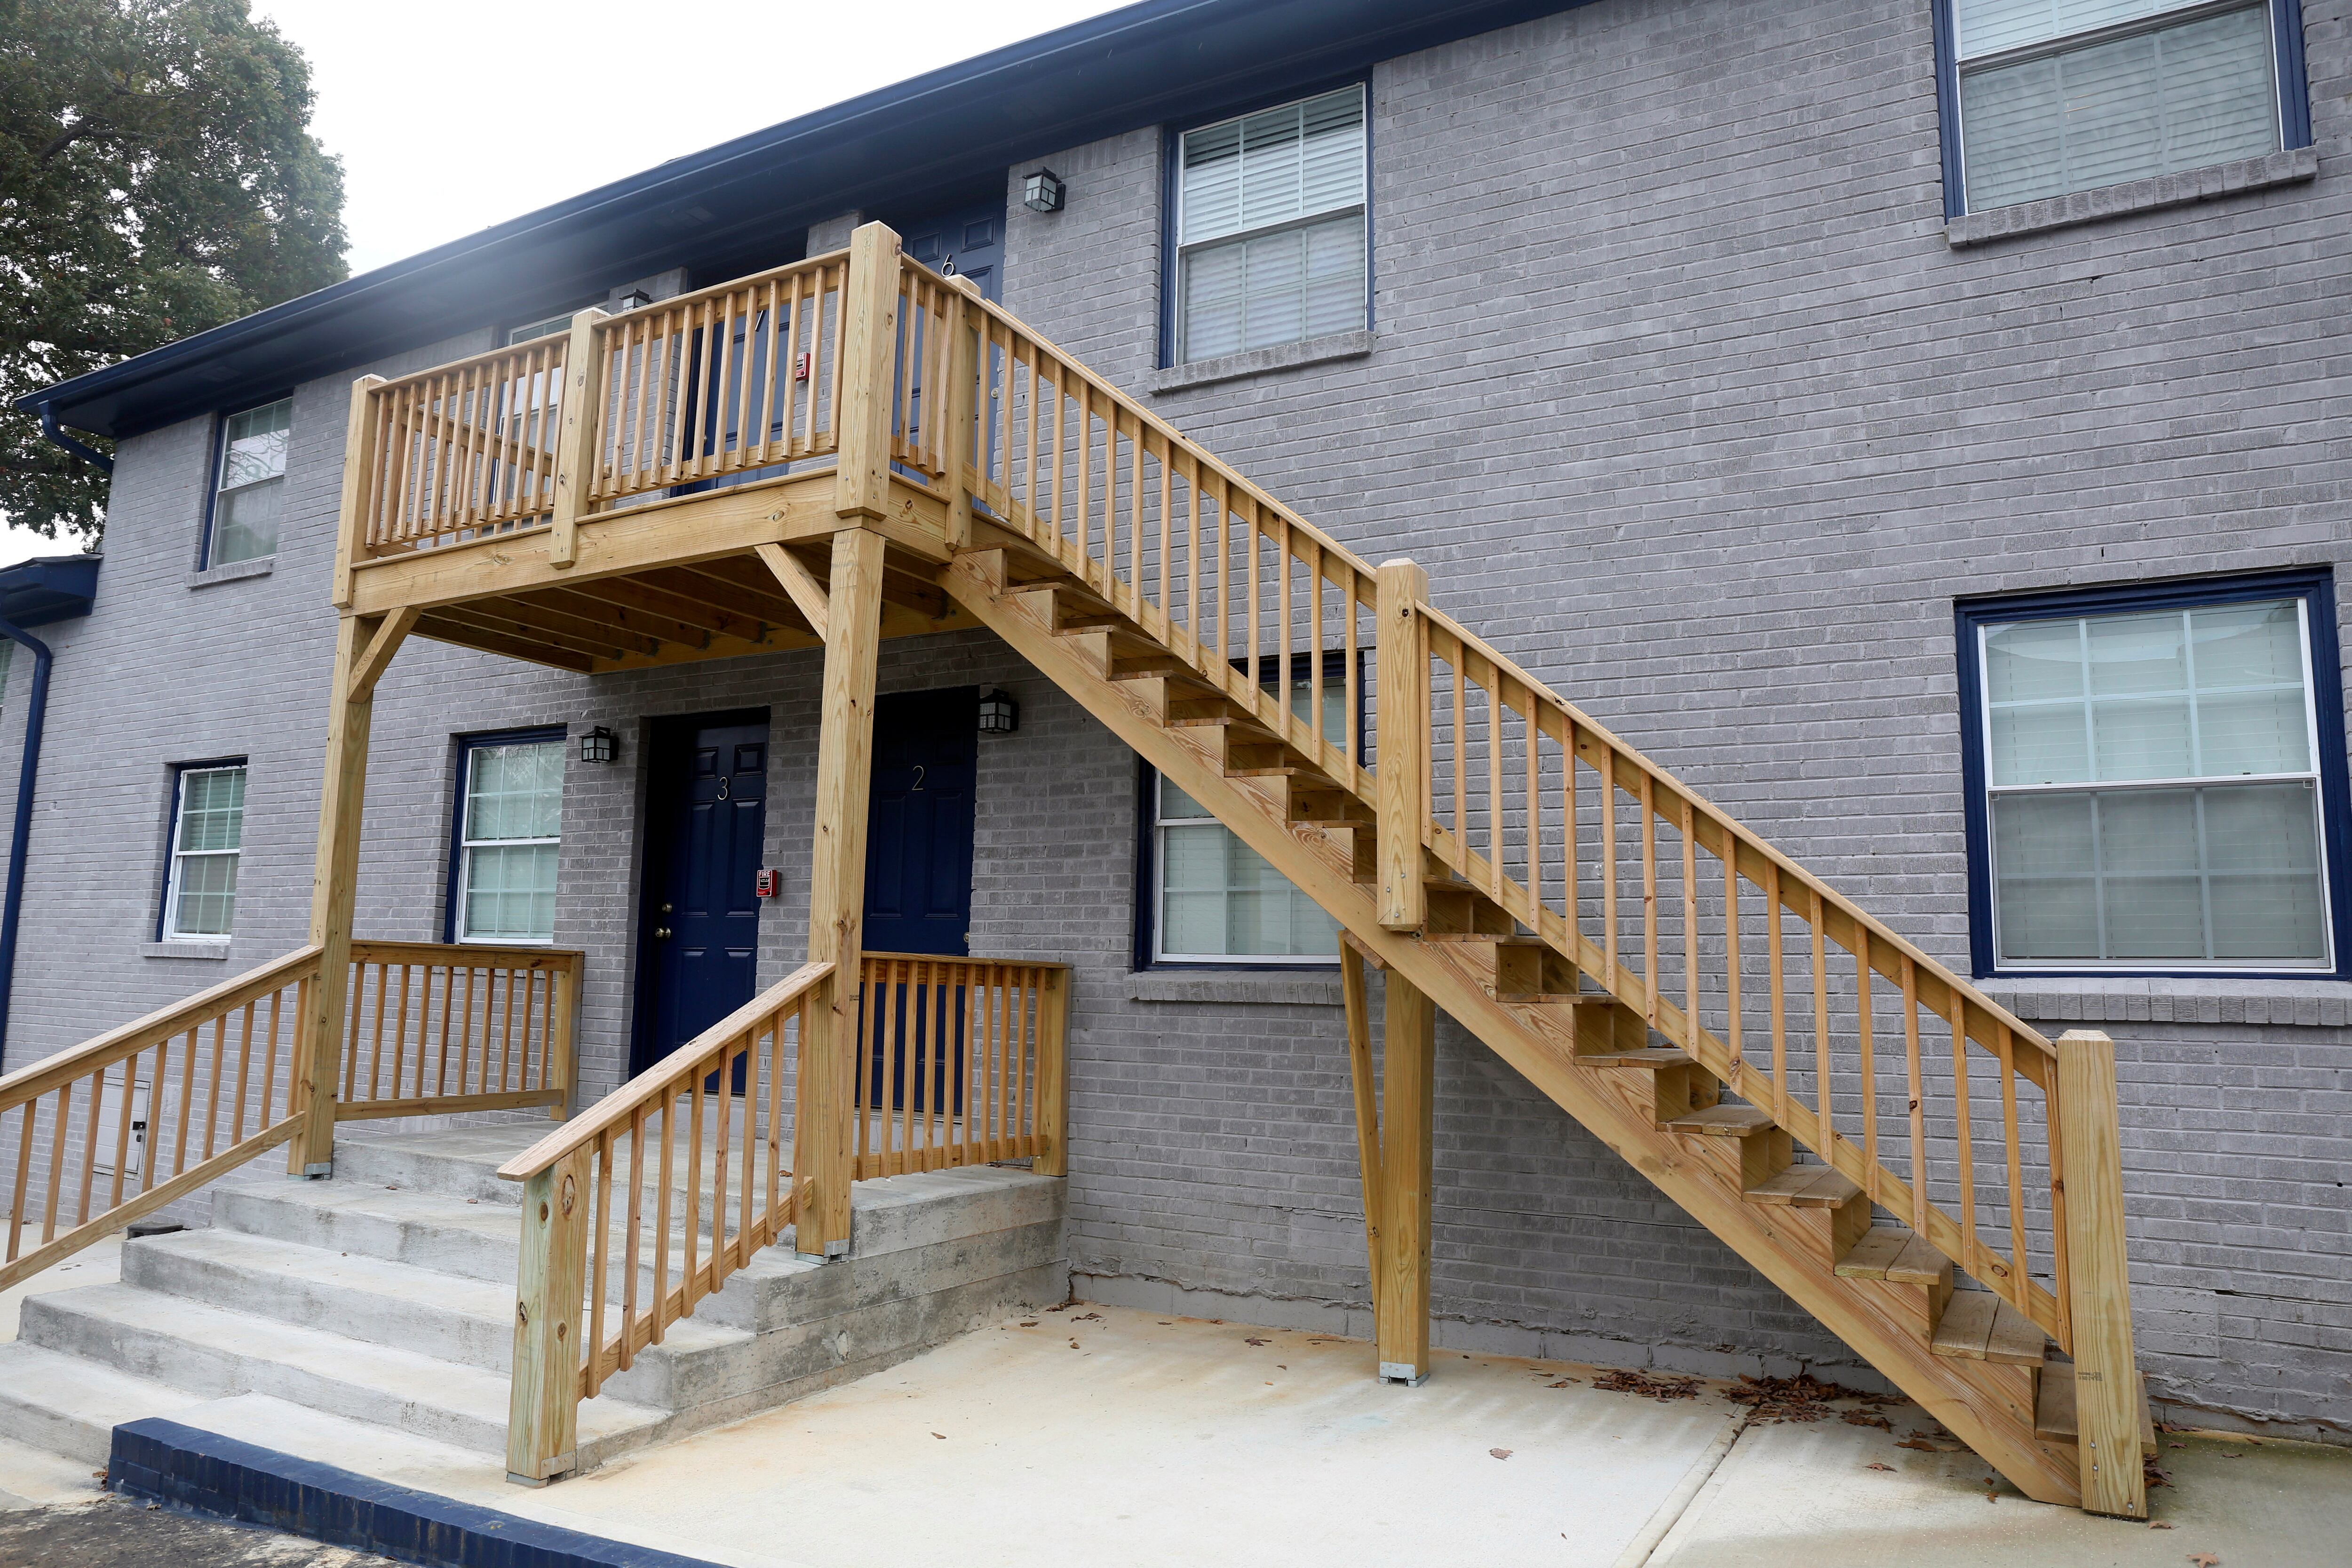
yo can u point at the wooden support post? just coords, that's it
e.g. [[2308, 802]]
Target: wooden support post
[[544, 1408], [824, 1122], [1052, 1075], [334, 887], [360, 457], [1368, 1116], [959, 426], [869, 358], [1403, 728], [1401, 1288], [575, 442], [2108, 1394]]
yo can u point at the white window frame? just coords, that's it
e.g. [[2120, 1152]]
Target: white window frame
[[2180, 14], [1185, 250], [222, 489], [2311, 776], [545, 326], [171, 924], [470, 749]]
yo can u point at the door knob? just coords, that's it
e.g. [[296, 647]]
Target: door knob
[[661, 931]]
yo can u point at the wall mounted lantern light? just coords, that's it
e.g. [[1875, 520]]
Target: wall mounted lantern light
[[597, 745], [999, 714], [1043, 192]]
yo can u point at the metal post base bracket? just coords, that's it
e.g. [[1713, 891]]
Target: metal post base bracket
[[318, 1173], [1402, 1373]]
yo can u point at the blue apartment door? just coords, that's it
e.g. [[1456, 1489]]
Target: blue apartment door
[[962, 242], [918, 890], [705, 823]]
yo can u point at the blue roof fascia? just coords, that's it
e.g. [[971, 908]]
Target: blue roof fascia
[[48, 588], [946, 130]]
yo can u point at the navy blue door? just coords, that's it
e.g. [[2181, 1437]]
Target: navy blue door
[[918, 838], [701, 922], [964, 242], [919, 886]]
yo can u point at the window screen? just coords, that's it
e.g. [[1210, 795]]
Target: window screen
[[1270, 229]]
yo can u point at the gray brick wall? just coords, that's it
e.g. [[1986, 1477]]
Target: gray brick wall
[[1682, 399]]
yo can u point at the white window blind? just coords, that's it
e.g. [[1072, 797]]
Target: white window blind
[[2153, 790], [252, 477], [1270, 234], [207, 841], [2070, 95], [508, 842]]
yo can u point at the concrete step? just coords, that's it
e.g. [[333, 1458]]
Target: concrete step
[[213, 1352], [69, 1406], [36, 1477], [447, 1316], [459, 1161]]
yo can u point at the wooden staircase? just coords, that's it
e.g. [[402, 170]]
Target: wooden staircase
[[1178, 605]]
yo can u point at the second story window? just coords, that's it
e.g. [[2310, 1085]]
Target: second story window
[[250, 485], [2070, 95], [207, 840], [542, 328], [1270, 228]]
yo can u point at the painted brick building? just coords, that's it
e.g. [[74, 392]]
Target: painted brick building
[[1690, 371]]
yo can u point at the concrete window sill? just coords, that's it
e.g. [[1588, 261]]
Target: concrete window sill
[[235, 571], [2315, 1003], [1315, 989], [2293, 166], [216, 951], [1325, 350]]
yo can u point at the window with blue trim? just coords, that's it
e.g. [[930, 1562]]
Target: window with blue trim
[[2156, 779], [248, 491], [207, 842], [1270, 228], [2045, 97], [506, 837]]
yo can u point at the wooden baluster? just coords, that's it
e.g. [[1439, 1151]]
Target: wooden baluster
[[1649, 837], [2053, 1118], [506, 1034], [1256, 607], [122, 1125], [269, 1068], [1221, 667], [1315, 643], [1494, 784], [1572, 895], [25, 1135], [1193, 569], [1690, 929], [724, 1096], [1823, 1126], [1167, 526], [1287, 722], [400, 1035], [1025, 1074], [212, 1087], [1458, 715], [632, 1243], [1864, 1005], [1000, 1004], [2011, 1138], [599, 1243], [1919, 1112], [1776, 991], [1351, 720], [689, 1270], [748, 1187], [1970, 1249], [465, 1035], [56, 1174], [187, 1098], [375, 1054], [448, 995], [1609, 863], [1731, 974], [1052, 1158], [661, 1215], [89, 1145]]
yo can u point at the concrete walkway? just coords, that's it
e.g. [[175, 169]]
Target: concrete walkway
[[1100, 1435]]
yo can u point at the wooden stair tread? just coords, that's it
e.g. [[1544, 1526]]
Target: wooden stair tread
[[1981, 1326], [1805, 1186], [1892, 1253], [1541, 998], [1652, 1058], [1724, 1122]]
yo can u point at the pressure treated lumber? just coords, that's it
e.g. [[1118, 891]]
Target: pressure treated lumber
[[575, 443], [870, 341], [823, 1156], [2106, 1375], [543, 1409], [1407, 1066], [1403, 699]]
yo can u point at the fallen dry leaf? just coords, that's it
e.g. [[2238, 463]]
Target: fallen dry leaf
[[941, 1436], [2205, 1560], [1927, 1445], [1642, 1383], [1249, 1341], [1563, 1383], [1500, 1453], [2158, 1524], [1867, 1418], [1877, 1465]]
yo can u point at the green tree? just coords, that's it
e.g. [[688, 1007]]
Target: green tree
[[157, 177]]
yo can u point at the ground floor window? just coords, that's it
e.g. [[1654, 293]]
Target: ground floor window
[[2157, 778], [509, 833], [1213, 899], [207, 840]]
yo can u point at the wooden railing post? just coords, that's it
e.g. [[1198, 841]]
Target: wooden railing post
[[576, 446], [360, 456], [1403, 731], [1052, 1126], [562, 1030], [1401, 1291], [824, 1152], [869, 359], [543, 1411], [2108, 1394], [318, 1050]]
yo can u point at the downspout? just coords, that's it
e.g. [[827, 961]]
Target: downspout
[[55, 433], [21, 834]]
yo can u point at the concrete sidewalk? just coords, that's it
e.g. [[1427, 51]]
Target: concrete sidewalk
[[1100, 1435]]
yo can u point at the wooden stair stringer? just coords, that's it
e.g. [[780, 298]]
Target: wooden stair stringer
[[1982, 1411]]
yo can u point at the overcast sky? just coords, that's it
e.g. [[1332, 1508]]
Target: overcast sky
[[469, 112]]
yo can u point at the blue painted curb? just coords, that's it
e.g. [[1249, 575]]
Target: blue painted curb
[[204, 1472]]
